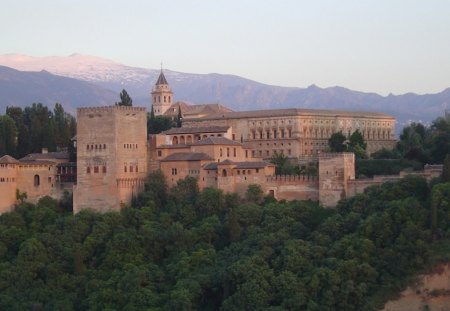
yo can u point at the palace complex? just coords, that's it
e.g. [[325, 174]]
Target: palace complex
[[224, 149]]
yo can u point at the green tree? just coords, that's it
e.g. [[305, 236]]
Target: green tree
[[179, 117], [440, 139], [412, 142], [357, 144], [125, 99], [158, 124], [8, 134], [282, 164], [254, 193], [446, 169], [336, 143]]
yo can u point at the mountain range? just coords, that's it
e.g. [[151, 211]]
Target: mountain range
[[81, 80]]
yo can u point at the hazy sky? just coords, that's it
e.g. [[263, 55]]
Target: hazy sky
[[379, 46]]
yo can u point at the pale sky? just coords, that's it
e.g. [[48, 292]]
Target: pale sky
[[378, 46]]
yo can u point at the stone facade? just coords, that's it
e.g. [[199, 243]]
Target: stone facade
[[335, 171], [111, 156], [221, 148], [31, 175], [300, 133]]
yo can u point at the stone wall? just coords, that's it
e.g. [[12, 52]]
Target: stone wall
[[111, 156], [298, 133], [8, 186], [300, 187], [335, 169]]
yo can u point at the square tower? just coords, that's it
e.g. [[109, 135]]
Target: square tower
[[335, 169], [111, 156]]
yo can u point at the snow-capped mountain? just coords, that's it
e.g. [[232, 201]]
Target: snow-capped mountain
[[232, 91], [78, 66]]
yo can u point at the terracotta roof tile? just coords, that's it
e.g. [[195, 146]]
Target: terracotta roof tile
[[192, 130], [187, 156], [292, 112], [216, 141], [7, 159]]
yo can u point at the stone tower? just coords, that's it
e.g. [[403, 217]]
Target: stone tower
[[335, 169], [111, 156], [161, 95]]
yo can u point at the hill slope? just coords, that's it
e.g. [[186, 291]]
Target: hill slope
[[19, 88]]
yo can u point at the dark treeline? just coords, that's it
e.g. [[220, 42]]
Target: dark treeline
[[420, 143], [189, 250], [28, 130]]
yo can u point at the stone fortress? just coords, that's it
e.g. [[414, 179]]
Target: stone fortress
[[222, 148]]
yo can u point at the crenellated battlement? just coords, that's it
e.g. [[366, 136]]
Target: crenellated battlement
[[329, 155], [304, 178], [109, 109]]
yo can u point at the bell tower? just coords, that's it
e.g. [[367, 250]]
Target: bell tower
[[161, 95]]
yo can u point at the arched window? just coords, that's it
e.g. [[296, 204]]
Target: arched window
[[164, 98], [175, 140], [224, 173], [37, 180]]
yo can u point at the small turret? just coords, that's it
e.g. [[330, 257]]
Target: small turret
[[161, 95]]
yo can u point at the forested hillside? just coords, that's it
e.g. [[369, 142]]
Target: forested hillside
[[188, 250]]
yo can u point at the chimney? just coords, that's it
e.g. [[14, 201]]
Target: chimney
[[44, 150]]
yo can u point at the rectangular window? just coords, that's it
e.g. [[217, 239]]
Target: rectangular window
[[131, 169], [95, 169], [234, 152], [104, 169], [159, 153], [88, 170]]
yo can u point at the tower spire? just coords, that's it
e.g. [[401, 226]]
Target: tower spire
[[161, 95]]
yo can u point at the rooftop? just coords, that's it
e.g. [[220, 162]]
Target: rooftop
[[238, 165], [187, 156], [7, 159], [63, 155], [161, 79], [216, 141], [293, 112], [193, 130]]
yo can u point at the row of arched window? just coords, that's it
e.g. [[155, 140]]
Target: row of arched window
[[269, 134], [130, 146], [166, 99], [7, 179], [96, 169], [95, 146], [131, 168]]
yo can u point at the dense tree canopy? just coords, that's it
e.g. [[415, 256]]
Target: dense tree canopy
[[185, 249], [36, 127], [336, 143], [158, 124]]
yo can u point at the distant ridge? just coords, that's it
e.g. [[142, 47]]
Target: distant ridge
[[21, 88], [232, 91]]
